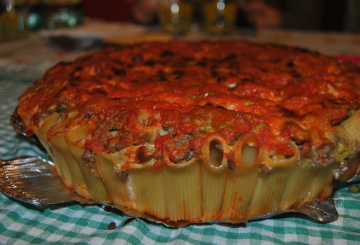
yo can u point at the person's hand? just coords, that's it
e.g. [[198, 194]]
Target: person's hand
[[261, 15], [144, 11]]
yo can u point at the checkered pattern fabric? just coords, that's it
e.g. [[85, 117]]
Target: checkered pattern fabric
[[22, 223]]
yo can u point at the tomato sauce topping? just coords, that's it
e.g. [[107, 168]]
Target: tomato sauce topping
[[191, 89]]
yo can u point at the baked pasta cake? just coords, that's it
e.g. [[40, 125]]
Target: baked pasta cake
[[199, 131]]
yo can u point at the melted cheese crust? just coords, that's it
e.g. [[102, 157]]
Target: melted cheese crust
[[176, 95]]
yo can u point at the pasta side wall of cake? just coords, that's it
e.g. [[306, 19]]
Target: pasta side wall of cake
[[199, 131]]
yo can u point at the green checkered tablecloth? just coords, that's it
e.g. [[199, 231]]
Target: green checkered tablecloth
[[24, 223]]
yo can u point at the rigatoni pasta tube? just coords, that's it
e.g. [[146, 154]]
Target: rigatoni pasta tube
[[248, 151], [241, 180], [42, 135], [143, 121], [344, 144], [117, 185], [183, 187], [297, 187], [56, 134], [213, 173], [352, 126], [271, 185], [76, 138], [214, 158], [150, 191], [272, 160]]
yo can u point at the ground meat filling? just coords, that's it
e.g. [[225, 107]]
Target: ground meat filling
[[122, 174], [264, 170], [182, 140], [322, 156], [226, 88], [88, 156]]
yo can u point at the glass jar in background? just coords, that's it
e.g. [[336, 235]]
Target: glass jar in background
[[175, 16], [63, 13], [36, 20], [219, 16], [13, 19]]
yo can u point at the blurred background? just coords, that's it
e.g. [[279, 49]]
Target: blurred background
[[328, 15], [54, 30], [18, 17]]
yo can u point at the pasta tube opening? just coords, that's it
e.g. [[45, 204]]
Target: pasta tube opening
[[343, 144], [216, 154], [49, 122], [248, 151], [143, 121], [78, 133], [57, 129], [271, 159]]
